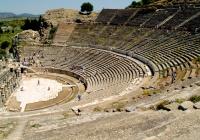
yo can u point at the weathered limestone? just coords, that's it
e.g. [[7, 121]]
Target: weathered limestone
[[172, 106], [29, 37], [130, 109], [67, 15], [197, 105], [186, 105], [9, 81]]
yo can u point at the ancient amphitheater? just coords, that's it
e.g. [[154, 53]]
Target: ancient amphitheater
[[129, 74]]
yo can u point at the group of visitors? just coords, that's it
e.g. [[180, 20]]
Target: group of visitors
[[31, 60], [38, 83]]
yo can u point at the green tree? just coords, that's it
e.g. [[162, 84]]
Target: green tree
[[35, 24], [146, 2], [134, 4], [86, 8], [26, 25], [5, 45], [43, 23]]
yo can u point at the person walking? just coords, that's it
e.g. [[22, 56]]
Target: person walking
[[79, 97], [38, 82], [173, 77]]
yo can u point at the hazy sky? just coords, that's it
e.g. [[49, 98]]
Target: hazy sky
[[40, 6]]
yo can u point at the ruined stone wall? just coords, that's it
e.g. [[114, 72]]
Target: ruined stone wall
[[55, 16], [9, 81]]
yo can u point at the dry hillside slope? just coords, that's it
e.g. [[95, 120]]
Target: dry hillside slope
[[67, 15]]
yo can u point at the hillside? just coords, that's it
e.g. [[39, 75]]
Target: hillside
[[7, 15], [4, 15], [27, 15], [67, 15]]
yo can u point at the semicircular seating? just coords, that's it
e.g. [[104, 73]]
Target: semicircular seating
[[98, 55], [166, 49], [101, 69]]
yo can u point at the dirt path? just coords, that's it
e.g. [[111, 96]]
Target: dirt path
[[18, 132]]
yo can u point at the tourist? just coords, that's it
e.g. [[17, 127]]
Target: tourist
[[79, 97], [38, 82], [48, 88], [79, 112], [22, 89], [173, 77]]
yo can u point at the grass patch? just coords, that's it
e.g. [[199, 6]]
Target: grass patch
[[13, 23], [8, 35], [179, 101], [195, 99], [149, 92]]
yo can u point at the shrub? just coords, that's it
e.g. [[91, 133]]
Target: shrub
[[146, 2], [179, 101], [5, 45], [149, 92], [52, 32], [134, 4], [34, 24], [195, 99]]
